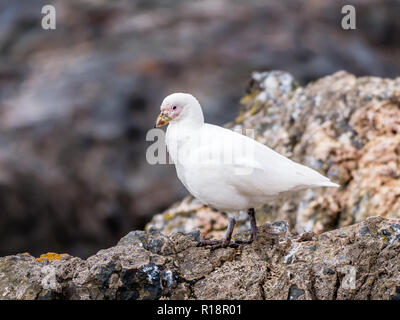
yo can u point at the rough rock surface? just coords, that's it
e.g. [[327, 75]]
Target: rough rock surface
[[347, 128], [361, 261]]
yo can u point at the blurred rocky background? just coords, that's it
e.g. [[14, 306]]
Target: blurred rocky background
[[76, 102]]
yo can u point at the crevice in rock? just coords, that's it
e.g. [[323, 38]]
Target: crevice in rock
[[337, 286]]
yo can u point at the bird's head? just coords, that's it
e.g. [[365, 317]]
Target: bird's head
[[177, 107]]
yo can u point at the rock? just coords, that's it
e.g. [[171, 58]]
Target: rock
[[347, 263], [76, 102], [347, 128]]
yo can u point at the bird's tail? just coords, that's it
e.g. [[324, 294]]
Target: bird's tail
[[313, 178], [329, 184]]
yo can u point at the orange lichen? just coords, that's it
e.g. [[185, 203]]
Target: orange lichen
[[51, 256]]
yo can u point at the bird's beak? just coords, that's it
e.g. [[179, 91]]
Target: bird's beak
[[162, 120]]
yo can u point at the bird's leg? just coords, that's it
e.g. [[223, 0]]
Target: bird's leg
[[253, 224], [225, 241], [228, 234], [253, 227]]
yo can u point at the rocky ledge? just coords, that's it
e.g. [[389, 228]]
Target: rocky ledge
[[361, 261]]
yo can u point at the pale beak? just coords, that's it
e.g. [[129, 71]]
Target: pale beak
[[162, 120]]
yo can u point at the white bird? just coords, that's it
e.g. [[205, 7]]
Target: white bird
[[226, 170]]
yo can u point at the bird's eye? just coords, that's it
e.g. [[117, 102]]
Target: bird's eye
[[174, 108]]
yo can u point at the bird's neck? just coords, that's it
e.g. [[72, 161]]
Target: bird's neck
[[183, 130], [178, 135]]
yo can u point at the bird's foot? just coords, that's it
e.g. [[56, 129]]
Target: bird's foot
[[225, 241], [217, 244], [250, 241], [208, 242]]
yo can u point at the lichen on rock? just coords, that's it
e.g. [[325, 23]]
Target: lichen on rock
[[51, 256]]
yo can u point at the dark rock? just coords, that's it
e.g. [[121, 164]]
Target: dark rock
[[328, 271], [397, 295], [364, 231], [295, 293], [261, 270]]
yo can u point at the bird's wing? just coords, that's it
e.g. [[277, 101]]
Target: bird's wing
[[253, 168]]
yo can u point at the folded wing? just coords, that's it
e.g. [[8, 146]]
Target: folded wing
[[253, 168]]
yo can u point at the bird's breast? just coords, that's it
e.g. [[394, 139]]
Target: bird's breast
[[206, 184]]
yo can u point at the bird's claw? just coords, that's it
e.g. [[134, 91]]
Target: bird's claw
[[217, 244], [204, 243], [242, 242], [223, 244]]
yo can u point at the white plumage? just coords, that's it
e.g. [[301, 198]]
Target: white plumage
[[224, 169]]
